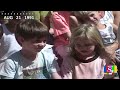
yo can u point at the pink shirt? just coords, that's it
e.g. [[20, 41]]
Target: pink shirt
[[60, 22], [73, 69]]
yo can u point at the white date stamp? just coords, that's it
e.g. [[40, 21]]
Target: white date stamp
[[18, 17]]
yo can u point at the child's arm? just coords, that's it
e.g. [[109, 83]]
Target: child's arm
[[5, 77], [53, 67], [47, 20], [54, 70], [68, 35], [118, 34], [67, 68], [73, 22], [60, 25], [112, 48], [56, 75], [7, 69]]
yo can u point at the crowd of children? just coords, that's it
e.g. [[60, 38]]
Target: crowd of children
[[60, 45]]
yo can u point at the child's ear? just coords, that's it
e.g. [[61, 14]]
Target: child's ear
[[20, 40]]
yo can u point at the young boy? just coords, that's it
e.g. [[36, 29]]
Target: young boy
[[36, 59]]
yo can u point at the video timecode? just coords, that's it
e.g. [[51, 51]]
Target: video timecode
[[18, 17]]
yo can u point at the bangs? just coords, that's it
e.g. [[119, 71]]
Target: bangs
[[40, 34], [29, 30]]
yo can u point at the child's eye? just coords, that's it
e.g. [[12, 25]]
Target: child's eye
[[91, 15], [45, 41], [78, 45], [88, 44], [37, 40]]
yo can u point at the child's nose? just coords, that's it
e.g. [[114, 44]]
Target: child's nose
[[42, 44]]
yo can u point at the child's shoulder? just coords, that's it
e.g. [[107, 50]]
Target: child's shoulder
[[47, 48], [106, 57], [15, 57], [12, 60]]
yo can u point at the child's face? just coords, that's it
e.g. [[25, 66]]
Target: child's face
[[33, 45], [94, 16], [84, 46]]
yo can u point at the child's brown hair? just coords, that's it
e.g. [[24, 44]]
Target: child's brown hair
[[29, 29]]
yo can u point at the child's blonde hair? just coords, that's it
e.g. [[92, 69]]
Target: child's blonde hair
[[90, 32]]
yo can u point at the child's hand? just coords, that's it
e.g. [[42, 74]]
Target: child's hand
[[111, 49], [51, 31]]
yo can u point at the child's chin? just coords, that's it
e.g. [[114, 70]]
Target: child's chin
[[38, 50]]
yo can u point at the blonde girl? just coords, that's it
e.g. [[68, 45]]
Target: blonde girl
[[87, 56]]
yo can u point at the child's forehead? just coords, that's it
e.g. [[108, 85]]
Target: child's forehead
[[92, 12], [84, 40], [39, 38]]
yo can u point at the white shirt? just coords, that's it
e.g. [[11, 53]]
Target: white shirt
[[9, 45], [108, 17], [107, 34]]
